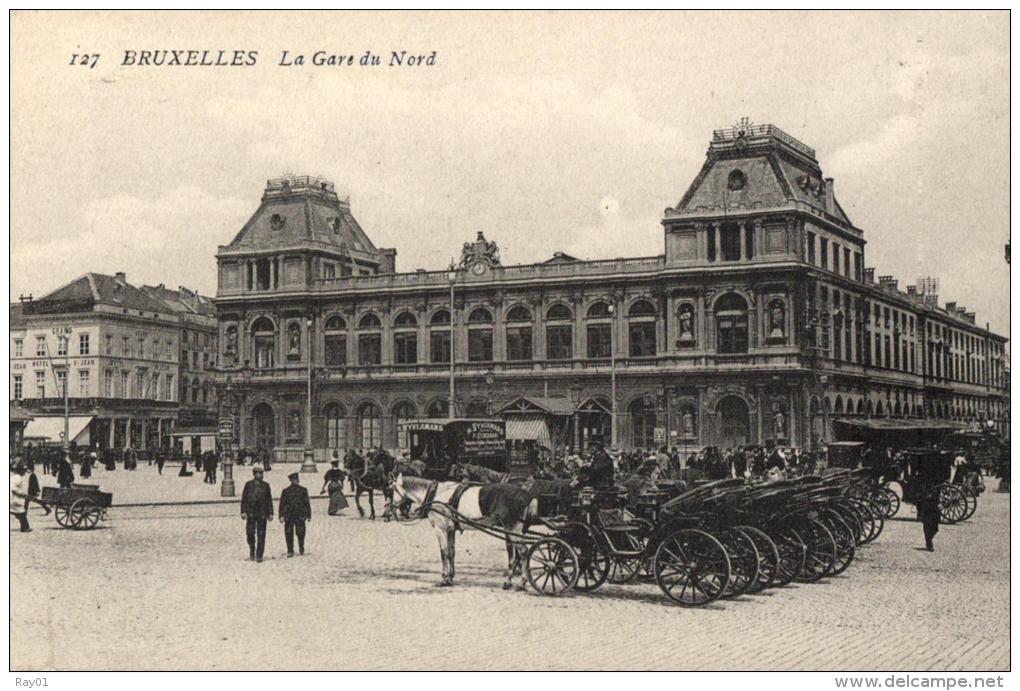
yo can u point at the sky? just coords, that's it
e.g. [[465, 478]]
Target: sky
[[548, 131]]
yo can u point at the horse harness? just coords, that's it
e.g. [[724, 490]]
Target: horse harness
[[453, 503]]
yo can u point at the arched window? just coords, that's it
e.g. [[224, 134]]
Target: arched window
[[642, 420], [599, 330], [263, 421], [641, 329], [838, 408], [369, 340], [370, 425], [405, 319], [860, 406], [439, 337], [480, 335], [336, 341], [731, 324], [263, 333], [734, 419], [438, 408], [405, 339], [336, 426], [403, 411], [559, 333], [518, 333], [477, 408]]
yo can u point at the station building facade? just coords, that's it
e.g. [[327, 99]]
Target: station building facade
[[759, 321]]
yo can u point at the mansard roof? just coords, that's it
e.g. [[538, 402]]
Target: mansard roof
[[85, 291], [300, 211], [759, 167]]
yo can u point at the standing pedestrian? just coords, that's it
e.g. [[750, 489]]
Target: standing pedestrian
[[214, 461], [160, 460], [256, 510], [19, 497], [34, 490], [65, 472], [86, 465], [295, 509], [333, 482]]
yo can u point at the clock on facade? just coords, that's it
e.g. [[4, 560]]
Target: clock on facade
[[479, 268]]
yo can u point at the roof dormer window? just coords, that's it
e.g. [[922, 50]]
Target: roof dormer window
[[736, 180], [276, 222]]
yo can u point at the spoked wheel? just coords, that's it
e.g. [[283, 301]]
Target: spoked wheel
[[743, 560], [692, 568], [952, 503], [85, 514], [846, 546], [819, 551], [63, 515], [552, 566], [888, 501], [624, 569], [792, 554], [768, 558], [593, 564], [970, 496], [854, 516], [872, 520]]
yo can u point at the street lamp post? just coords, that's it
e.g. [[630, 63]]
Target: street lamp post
[[612, 374], [227, 488], [451, 276], [308, 465]]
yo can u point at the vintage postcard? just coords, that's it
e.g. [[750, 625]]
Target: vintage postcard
[[510, 341]]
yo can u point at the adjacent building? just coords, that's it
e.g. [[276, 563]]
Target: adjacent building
[[758, 321], [115, 347]]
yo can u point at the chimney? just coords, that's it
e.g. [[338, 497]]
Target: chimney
[[912, 291], [869, 275], [25, 298], [830, 195], [388, 260], [970, 317], [951, 307], [931, 300], [121, 276], [887, 282]]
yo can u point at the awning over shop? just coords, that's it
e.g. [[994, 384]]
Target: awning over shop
[[50, 429], [887, 425], [538, 404], [529, 428]]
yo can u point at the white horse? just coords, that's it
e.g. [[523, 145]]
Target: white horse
[[499, 505]]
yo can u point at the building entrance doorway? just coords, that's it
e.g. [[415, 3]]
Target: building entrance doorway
[[734, 422], [264, 426]]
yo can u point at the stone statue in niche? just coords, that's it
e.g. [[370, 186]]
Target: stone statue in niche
[[686, 316], [777, 320], [294, 424], [688, 423], [230, 347], [779, 424], [294, 339]]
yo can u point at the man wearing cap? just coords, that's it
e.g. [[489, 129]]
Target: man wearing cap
[[295, 509], [256, 509], [601, 469]]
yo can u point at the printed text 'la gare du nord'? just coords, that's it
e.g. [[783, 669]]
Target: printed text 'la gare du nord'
[[288, 58]]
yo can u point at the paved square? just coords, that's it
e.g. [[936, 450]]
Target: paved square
[[170, 588]]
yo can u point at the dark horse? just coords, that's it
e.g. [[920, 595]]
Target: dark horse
[[368, 476], [476, 473]]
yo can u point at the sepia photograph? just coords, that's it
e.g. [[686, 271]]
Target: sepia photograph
[[510, 341]]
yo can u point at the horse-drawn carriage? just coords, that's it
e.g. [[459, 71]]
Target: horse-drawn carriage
[[920, 468], [438, 442], [78, 507]]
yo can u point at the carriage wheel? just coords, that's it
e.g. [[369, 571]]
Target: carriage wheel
[[85, 514], [624, 569], [593, 563], [952, 503], [743, 561], [889, 501], [846, 546], [768, 557], [970, 496], [819, 551], [63, 515], [872, 517], [692, 568], [791, 556], [551, 566]]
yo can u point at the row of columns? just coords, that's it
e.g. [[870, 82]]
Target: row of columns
[[161, 427]]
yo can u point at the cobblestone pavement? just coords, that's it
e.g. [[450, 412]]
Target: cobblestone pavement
[[171, 588]]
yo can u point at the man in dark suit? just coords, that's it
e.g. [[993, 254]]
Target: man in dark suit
[[256, 509], [295, 509]]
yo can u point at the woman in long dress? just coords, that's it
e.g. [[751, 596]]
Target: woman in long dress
[[333, 482]]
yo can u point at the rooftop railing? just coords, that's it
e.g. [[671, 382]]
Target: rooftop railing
[[761, 131]]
